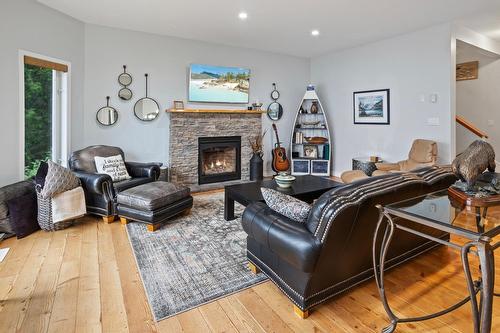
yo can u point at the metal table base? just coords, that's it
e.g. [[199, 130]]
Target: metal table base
[[481, 311]]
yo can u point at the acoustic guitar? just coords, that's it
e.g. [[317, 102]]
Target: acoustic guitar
[[280, 161]]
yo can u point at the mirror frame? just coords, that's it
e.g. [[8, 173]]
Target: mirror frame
[[125, 99], [148, 98], [125, 74], [104, 107], [280, 111]]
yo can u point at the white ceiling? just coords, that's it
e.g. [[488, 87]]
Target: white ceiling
[[281, 26]]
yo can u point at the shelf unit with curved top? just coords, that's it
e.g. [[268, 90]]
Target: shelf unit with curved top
[[309, 156]]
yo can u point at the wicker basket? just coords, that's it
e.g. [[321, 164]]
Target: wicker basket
[[45, 214]]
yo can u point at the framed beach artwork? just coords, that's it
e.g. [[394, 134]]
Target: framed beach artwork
[[217, 84], [372, 107]]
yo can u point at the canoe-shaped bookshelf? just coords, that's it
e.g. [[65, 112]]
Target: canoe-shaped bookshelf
[[311, 145]]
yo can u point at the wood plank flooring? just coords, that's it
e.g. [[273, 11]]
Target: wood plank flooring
[[84, 279]]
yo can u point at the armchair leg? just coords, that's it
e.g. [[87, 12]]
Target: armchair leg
[[153, 227], [123, 220], [300, 313], [253, 268], [186, 212], [108, 219]]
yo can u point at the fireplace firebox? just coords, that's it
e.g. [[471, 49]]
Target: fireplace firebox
[[219, 159]]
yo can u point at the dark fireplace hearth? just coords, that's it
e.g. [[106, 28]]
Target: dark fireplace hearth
[[219, 159]]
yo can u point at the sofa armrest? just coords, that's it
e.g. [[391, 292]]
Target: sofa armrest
[[387, 166], [149, 170], [288, 239], [96, 183]]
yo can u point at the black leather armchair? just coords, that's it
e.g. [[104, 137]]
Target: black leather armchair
[[100, 190], [332, 251]]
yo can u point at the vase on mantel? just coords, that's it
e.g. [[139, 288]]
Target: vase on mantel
[[256, 167]]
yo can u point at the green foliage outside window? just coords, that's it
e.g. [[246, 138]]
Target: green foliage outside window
[[38, 117]]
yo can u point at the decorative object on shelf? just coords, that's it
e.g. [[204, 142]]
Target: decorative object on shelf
[[256, 162], [280, 161], [275, 110], [284, 180], [309, 123], [320, 168], [125, 79], [311, 151], [146, 108], [316, 140], [217, 84], [310, 139], [301, 167], [372, 107], [469, 165], [314, 107], [375, 159], [178, 105], [256, 106], [467, 71], [107, 115]]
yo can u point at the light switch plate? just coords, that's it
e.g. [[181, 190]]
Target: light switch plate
[[433, 121], [491, 122]]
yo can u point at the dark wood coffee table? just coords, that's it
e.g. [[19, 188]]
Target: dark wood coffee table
[[306, 188]]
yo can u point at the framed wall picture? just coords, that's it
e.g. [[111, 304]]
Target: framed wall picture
[[320, 168], [301, 167], [372, 107]]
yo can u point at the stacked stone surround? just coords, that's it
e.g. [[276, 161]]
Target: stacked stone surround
[[186, 128]]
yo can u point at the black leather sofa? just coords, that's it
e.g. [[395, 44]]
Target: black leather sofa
[[332, 251], [100, 190]]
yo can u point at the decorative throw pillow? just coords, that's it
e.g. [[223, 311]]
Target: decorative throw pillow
[[286, 205], [41, 174], [23, 214], [59, 179], [113, 166]]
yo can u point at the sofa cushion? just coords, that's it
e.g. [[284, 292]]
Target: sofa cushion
[[423, 151], [23, 214], [153, 195], [83, 159], [286, 205], [113, 166], [129, 183], [58, 180]]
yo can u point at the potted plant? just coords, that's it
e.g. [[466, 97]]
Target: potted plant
[[256, 162]]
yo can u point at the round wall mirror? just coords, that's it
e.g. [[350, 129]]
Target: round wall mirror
[[107, 115], [146, 109], [275, 94], [125, 94], [275, 111], [124, 78]]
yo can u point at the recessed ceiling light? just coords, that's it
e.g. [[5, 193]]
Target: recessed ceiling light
[[243, 16], [315, 32]]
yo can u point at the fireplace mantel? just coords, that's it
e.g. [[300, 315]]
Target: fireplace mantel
[[237, 111]]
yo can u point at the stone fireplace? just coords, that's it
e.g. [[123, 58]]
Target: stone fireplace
[[219, 159], [188, 131]]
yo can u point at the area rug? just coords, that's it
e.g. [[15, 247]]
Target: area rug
[[194, 259]]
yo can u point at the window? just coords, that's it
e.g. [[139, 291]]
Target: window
[[45, 113]]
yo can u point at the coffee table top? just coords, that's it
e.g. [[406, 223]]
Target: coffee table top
[[303, 185]]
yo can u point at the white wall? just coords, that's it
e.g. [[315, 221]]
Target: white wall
[[412, 66], [27, 25], [477, 99], [167, 60]]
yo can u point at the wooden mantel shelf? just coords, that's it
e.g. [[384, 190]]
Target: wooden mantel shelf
[[239, 111]]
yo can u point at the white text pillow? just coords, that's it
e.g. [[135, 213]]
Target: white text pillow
[[113, 166]]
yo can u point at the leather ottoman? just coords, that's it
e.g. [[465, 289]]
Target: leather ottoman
[[153, 203]]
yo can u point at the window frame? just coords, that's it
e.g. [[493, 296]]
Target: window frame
[[64, 118]]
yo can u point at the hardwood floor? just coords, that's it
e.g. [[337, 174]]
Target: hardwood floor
[[84, 279]]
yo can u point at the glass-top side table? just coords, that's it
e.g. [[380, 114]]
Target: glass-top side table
[[436, 210]]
